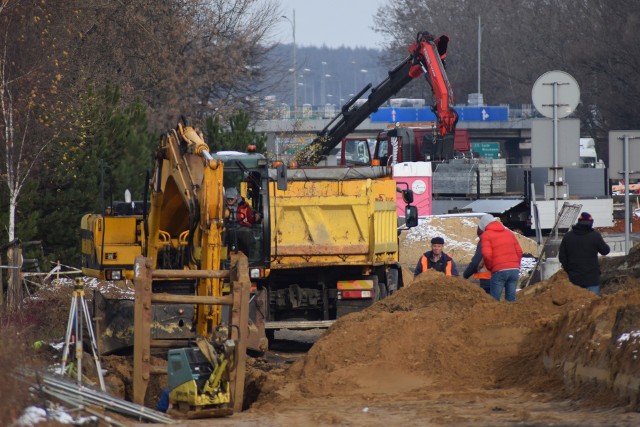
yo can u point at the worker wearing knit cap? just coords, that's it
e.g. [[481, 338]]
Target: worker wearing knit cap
[[579, 251], [501, 253], [476, 267], [437, 260]]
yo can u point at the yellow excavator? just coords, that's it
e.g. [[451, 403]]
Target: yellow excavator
[[181, 228]]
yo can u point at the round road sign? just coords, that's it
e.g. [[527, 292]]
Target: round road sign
[[568, 94]]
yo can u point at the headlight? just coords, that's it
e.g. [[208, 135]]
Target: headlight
[[255, 273]]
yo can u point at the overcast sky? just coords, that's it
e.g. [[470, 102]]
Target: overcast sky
[[334, 23]]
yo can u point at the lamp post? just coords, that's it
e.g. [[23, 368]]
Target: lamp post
[[295, 78], [303, 88], [364, 76], [323, 85], [355, 83], [305, 71]]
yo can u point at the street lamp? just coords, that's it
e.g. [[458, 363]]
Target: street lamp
[[355, 83], [364, 76], [304, 81], [303, 87], [323, 84], [295, 80]]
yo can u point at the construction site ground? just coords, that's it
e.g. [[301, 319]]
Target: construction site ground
[[441, 352]]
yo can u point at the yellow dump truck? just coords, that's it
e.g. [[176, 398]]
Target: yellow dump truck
[[328, 246], [334, 245]]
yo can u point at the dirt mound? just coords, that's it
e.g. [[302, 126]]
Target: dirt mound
[[598, 346], [446, 333], [621, 273]]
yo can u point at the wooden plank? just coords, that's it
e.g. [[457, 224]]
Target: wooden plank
[[142, 328], [240, 316]]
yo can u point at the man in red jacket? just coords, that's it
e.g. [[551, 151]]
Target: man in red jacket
[[501, 253]]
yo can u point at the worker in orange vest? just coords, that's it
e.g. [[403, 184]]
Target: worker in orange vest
[[476, 267], [437, 260]]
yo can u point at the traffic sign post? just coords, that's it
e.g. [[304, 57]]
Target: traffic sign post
[[627, 211], [555, 95]]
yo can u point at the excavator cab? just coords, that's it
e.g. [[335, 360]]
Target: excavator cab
[[249, 174]]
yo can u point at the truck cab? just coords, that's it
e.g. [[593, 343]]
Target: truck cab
[[411, 144], [356, 151], [588, 155]]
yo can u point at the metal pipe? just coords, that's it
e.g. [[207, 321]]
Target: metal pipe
[[94, 397], [555, 156], [207, 155], [625, 159]]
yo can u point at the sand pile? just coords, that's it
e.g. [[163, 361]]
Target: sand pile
[[460, 238], [446, 333]]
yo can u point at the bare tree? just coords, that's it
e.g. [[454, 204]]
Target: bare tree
[[29, 80], [594, 40], [195, 57]]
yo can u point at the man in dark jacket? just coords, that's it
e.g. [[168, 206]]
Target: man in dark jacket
[[476, 267], [436, 259], [579, 251]]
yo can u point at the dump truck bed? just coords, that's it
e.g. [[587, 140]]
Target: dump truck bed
[[334, 217]]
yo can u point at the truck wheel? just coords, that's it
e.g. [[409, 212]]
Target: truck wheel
[[392, 281], [382, 292], [271, 336]]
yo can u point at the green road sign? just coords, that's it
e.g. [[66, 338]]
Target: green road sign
[[488, 150]]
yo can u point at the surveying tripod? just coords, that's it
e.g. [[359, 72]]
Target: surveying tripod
[[74, 328]]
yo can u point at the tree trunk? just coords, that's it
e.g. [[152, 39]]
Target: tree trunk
[[1, 284], [14, 290], [13, 201]]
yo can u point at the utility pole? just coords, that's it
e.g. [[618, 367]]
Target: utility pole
[[323, 85], [294, 71], [479, 44], [628, 215]]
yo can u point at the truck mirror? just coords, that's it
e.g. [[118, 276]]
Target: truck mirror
[[281, 169], [407, 196], [411, 216]]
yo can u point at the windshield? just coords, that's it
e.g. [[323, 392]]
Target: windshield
[[356, 152]]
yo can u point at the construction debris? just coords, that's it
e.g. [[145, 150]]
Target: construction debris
[[92, 401]]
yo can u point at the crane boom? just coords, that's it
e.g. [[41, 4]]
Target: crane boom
[[426, 56]]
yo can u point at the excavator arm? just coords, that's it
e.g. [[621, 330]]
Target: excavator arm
[[426, 58]]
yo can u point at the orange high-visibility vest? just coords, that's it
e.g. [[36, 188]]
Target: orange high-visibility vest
[[447, 269], [482, 273]]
